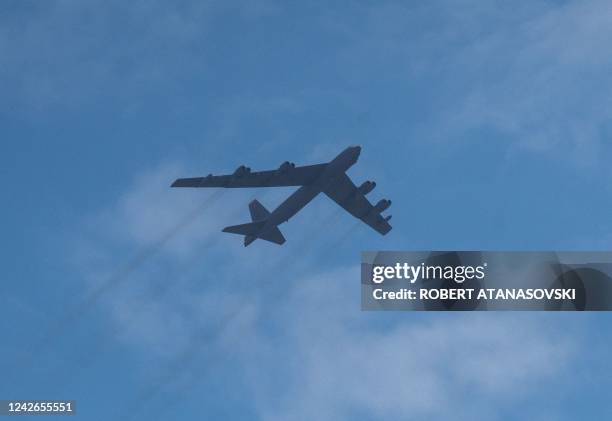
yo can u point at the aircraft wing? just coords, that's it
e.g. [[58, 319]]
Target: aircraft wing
[[344, 192], [286, 175]]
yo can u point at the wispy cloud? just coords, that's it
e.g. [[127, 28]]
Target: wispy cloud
[[336, 361], [543, 81], [536, 75], [67, 53]]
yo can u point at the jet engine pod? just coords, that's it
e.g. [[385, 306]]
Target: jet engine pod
[[367, 187], [382, 205], [285, 167], [242, 171]]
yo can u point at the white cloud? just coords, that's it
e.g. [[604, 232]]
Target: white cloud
[[331, 360], [544, 81], [148, 247]]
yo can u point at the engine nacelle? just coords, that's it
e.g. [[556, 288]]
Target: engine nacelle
[[382, 205], [241, 171], [367, 187], [285, 167]]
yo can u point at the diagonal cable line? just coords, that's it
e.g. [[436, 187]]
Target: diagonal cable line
[[90, 358], [119, 276], [187, 359]]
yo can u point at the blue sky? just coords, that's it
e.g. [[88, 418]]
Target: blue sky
[[487, 124]]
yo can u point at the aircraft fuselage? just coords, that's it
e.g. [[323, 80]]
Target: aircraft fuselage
[[304, 195]]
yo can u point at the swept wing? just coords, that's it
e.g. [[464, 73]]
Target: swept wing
[[286, 175], [344, 192]]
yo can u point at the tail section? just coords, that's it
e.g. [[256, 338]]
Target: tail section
[[257, 228]]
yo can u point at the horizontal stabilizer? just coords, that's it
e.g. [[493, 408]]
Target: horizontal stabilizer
[[250, 229], [274, 236]]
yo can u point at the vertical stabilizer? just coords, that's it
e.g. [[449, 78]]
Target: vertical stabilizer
[[258, 211]]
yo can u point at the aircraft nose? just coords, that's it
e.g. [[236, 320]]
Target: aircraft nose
[[357, 150]]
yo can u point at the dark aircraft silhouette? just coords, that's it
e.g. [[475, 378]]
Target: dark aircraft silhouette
[[329, 178]]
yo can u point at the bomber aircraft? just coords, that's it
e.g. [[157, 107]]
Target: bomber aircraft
[[329, 178]]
